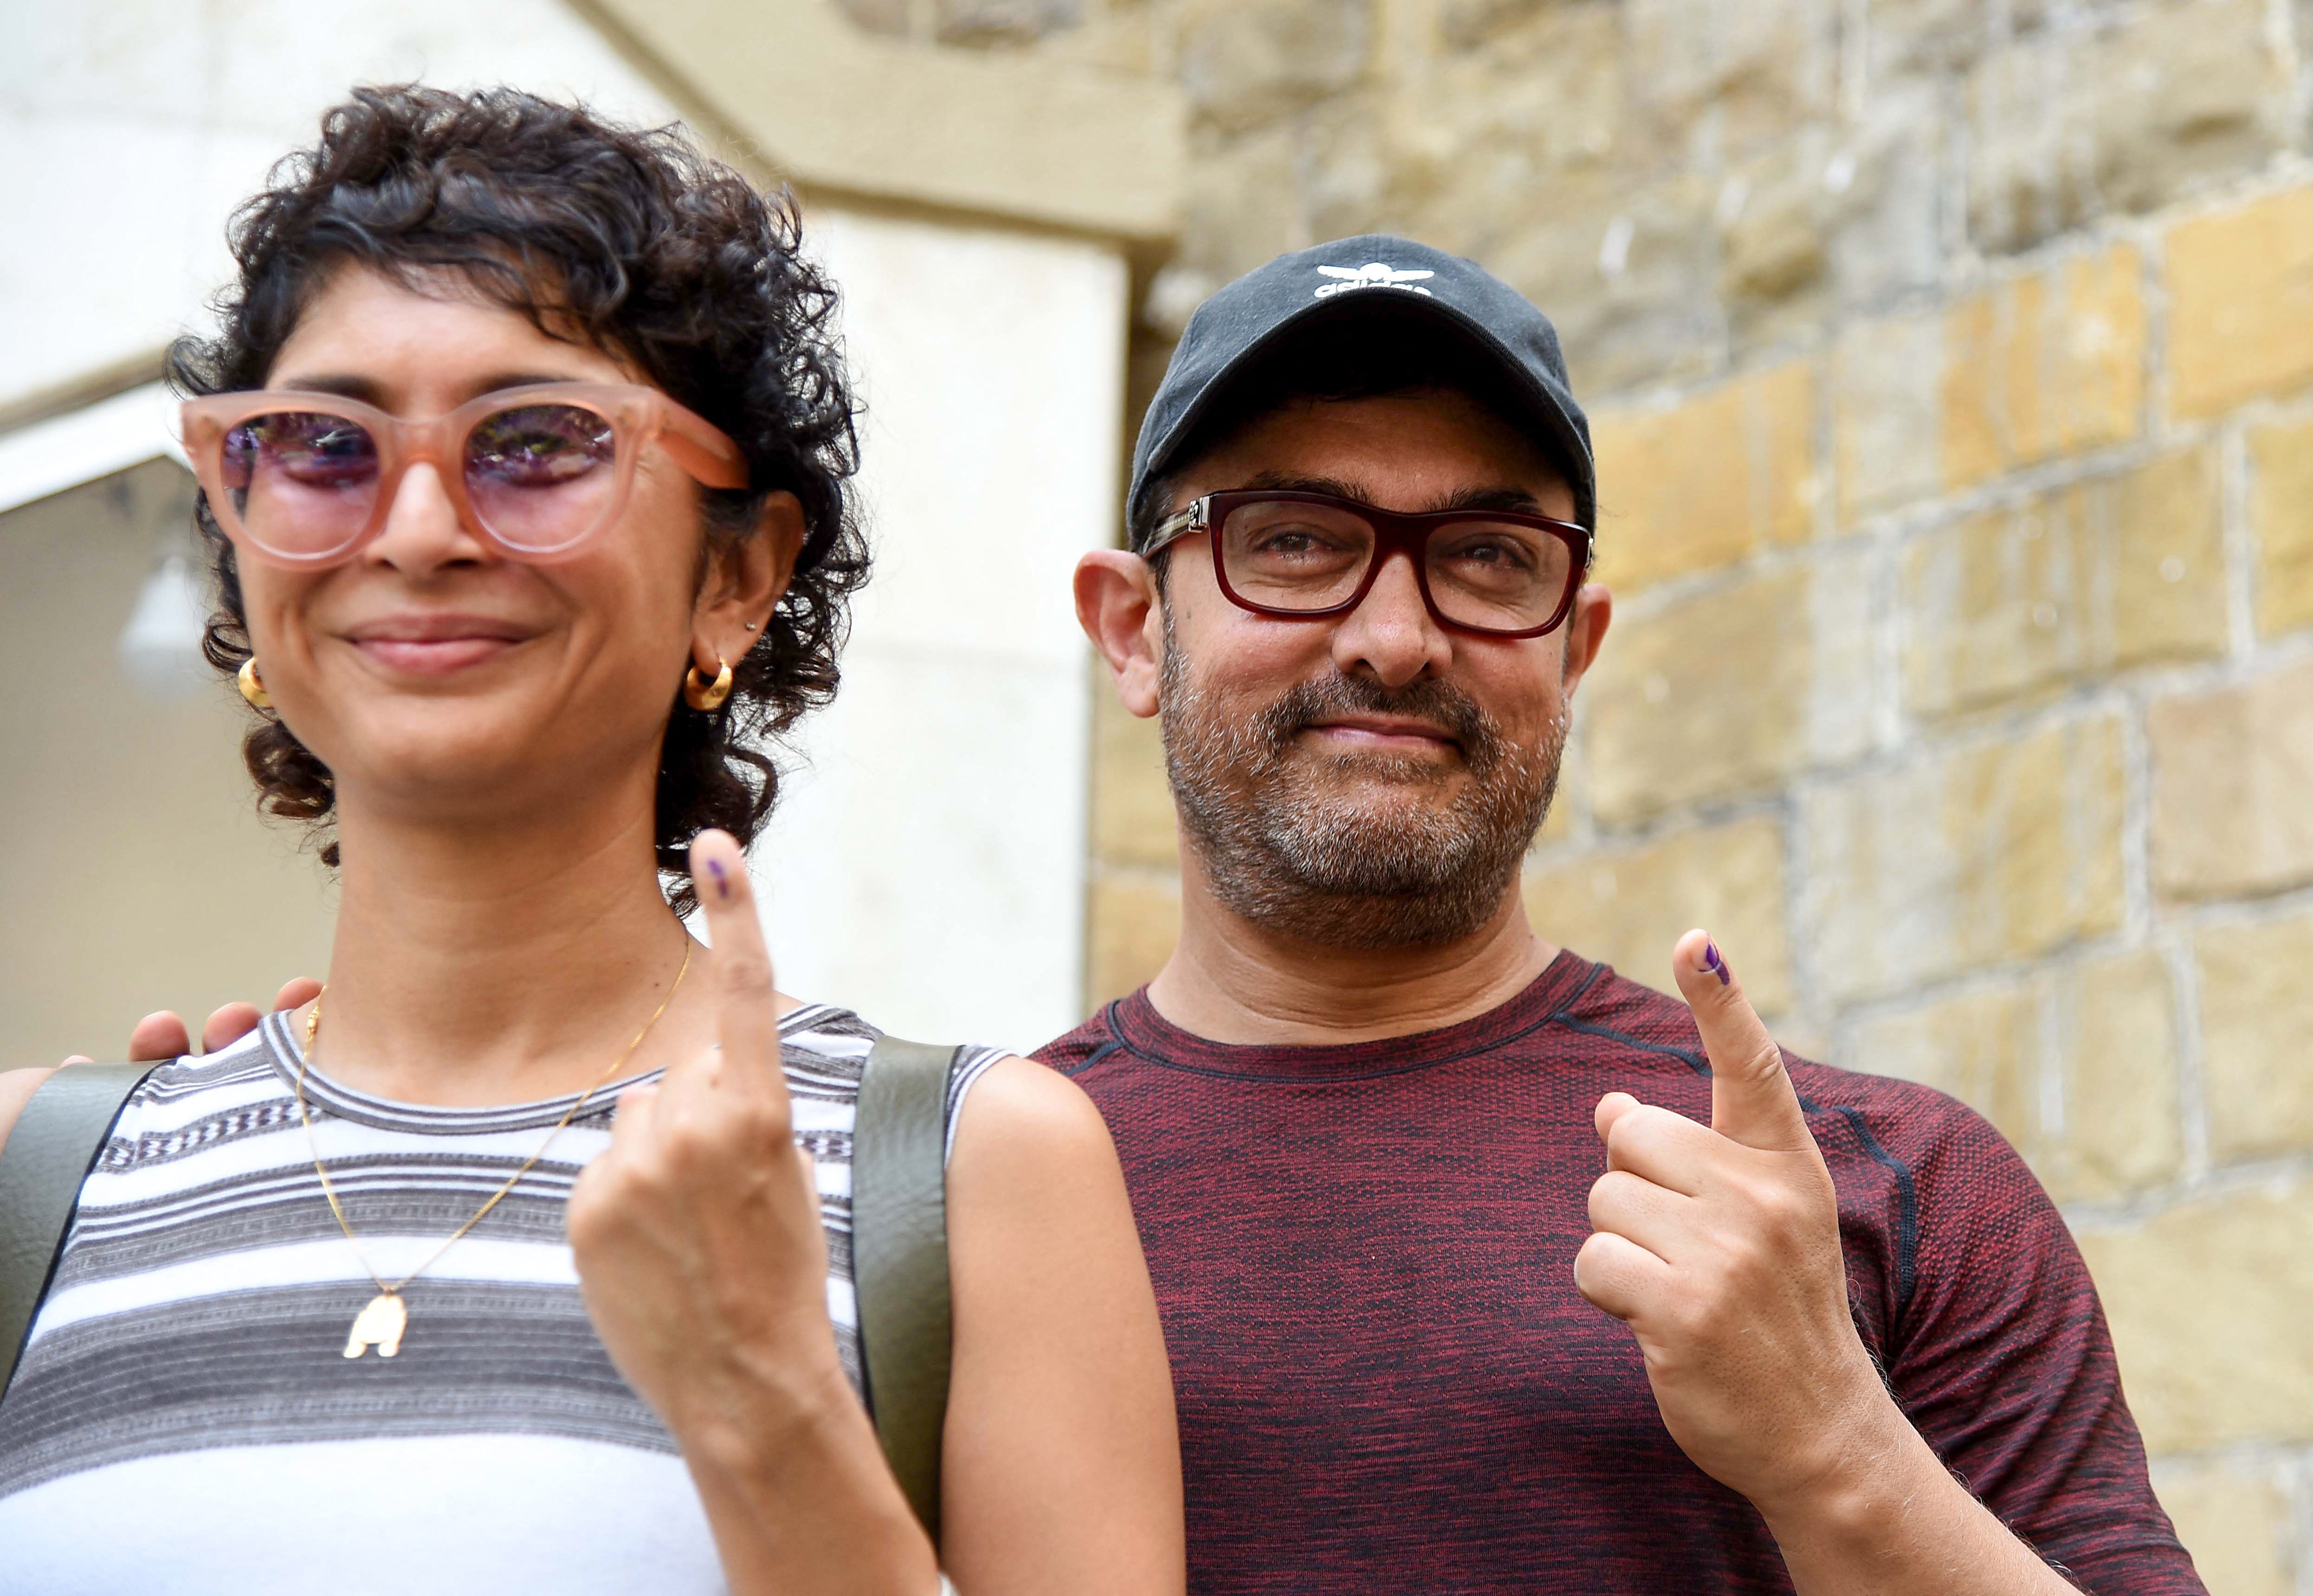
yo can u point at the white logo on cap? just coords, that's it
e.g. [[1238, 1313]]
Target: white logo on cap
[[1349, 279]]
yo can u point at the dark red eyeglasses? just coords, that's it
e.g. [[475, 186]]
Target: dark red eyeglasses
[[1309, 555]]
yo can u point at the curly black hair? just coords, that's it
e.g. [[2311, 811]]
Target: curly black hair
[[636, 241]]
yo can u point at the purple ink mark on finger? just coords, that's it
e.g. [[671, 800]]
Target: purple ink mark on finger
[[721, 879], [1712, 962]]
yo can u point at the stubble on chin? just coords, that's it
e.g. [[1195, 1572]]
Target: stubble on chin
[[1349, 847]]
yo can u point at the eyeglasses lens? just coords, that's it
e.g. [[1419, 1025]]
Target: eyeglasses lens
[[541, 476], [1283, 555], [301, 483], [1496, 576]]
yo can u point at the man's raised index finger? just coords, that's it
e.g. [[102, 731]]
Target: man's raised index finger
[[1752, 1098], [746, 1001]]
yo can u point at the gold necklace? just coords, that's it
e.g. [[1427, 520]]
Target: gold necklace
[[381, 1323]]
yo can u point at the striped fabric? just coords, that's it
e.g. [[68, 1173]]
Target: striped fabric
[[184, 1418]]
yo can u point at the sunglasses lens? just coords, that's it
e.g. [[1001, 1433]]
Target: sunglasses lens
[[541, 476], [303, 483]]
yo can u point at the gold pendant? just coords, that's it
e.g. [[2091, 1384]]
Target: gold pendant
[[379, 1325]]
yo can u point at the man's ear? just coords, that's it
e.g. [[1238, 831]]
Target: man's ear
[[1585, 631], [1117, 607], [745, 579]]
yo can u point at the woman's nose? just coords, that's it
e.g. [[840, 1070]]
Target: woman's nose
[[422, 530]]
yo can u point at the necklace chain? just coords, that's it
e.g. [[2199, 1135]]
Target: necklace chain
[[328, 1190]]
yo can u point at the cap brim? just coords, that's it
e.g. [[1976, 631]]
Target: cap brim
[[1374, 306]]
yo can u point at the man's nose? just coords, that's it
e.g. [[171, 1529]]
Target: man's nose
[[422, 531], [1392, 637]]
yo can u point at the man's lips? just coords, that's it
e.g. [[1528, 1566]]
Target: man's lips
[[434, 645], [1399, 732]]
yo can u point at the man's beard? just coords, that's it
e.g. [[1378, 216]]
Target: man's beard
[[1291, 841]]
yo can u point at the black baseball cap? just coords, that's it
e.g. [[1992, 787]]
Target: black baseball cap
[[1355, 284]]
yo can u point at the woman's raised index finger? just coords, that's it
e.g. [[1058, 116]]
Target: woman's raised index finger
[[746, 1001]]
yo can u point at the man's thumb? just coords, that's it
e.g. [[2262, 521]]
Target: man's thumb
[[1752, 1098]]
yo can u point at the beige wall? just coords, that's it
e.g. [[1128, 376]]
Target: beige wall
[[134, 873], [1952, 363]]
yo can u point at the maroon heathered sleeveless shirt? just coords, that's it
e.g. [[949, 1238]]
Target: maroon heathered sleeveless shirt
[[1363, 1255]]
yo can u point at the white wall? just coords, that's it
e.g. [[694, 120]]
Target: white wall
[[929, 864], [929, 868], [128, 833], [133, 127]]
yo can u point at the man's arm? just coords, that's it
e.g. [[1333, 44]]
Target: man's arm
[[162, 1035], [159, 1037], [1719, 1247]]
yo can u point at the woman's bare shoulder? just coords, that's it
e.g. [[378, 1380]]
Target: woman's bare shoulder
[[1031, 1148], [1020, 1109], [1037, 1207]]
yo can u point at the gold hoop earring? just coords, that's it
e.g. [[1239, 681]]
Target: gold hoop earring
[[252, 686], [703, 696]]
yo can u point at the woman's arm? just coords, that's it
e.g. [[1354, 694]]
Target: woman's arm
[[16, 1089], [1061, 1473]]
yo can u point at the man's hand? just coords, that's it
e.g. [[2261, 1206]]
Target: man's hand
[[1720, 1247], [701, 1258], [162, 1036]]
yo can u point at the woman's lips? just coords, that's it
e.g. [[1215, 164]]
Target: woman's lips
[[434, 644], [439, 656]]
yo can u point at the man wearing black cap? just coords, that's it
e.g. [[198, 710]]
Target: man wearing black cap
[[1365, 1109]]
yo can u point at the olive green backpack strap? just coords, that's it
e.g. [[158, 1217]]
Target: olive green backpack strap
[[48, 1154], [898, 1259]]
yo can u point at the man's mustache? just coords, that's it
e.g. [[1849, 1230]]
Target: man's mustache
[[1442, 706]]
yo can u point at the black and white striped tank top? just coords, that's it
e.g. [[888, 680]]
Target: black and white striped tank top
[[184, 1418]]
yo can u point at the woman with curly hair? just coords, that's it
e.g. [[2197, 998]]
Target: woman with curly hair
[[519, 1257]]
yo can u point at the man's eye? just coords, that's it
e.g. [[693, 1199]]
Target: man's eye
[[1495, 551], [1291, 538]]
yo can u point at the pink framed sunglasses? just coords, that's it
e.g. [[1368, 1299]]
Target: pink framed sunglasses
[[306, 479]]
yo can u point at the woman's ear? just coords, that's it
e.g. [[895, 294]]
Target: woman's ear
[[745, 579], [1117, 604]]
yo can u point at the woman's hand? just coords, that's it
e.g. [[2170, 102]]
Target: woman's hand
[[704, 1267], [698, 1234]]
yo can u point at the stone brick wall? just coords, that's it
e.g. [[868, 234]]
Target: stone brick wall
[[1952, 369]]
